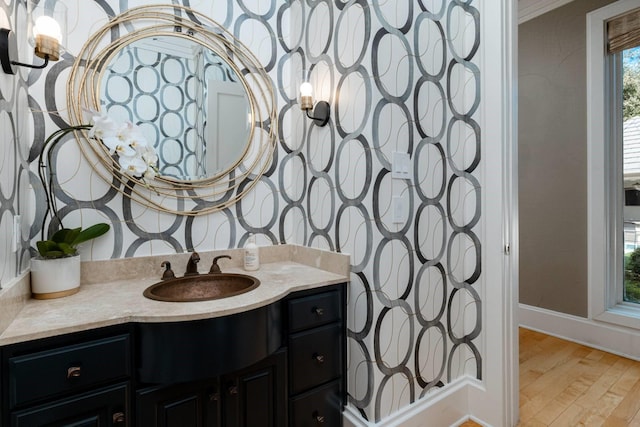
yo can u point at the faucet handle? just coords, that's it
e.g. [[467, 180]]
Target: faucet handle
[[215, 268], [168, 272]]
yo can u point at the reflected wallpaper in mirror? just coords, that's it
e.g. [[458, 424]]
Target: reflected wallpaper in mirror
[[185, 98]]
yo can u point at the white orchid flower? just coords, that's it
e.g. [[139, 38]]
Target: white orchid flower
[[133, 166], [133, 136], [149, 174], [117, 146], [149, 155], [136, 156], [103, 127]]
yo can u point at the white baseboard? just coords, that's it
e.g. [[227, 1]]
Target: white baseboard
[[450, 406], [602, 336]]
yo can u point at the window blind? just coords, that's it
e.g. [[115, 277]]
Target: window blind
[[623, 32]]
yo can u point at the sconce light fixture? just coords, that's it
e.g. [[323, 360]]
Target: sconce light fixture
[[47, 39], [320, 112]]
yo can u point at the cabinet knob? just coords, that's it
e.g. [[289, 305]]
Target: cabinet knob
[[214, 397], [233, 390], [118, 418], [319, 311], [319, 418], [318, 357], [74, 372]]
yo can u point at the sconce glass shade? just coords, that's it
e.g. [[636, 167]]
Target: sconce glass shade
[[48, 29], [306, 96], [48, 36], [322, 110], [48, 25]]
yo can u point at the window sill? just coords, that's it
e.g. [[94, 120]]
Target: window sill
[[623, 314]]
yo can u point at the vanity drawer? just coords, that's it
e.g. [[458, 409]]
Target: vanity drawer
[[314, 310], [103, 407], [319, 407], [67, 369], [315, 357]]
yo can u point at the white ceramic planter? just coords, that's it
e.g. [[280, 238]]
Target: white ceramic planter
[[55, 278]]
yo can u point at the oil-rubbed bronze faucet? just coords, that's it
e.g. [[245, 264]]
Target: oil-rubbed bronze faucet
[[168, 272], [192, 265], [215, 268]]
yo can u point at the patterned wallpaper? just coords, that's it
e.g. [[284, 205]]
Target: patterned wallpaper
[[164, 92], [401, 76], [15, 142]]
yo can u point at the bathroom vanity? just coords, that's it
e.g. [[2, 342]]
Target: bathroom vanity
[[274, 358]]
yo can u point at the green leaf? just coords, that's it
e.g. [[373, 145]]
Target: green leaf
[[64, 242], [66, 235], [67, 249], [92, 232], [45, 246]]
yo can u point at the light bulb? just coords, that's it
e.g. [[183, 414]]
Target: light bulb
[[306, 96], [306, 89], [47, 26]]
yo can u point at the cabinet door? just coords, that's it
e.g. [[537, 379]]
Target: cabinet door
[[316, 357], [190, 404], [104, 407], [256, 396]]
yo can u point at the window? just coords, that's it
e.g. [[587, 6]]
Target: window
[[631, 171], [613, 53]]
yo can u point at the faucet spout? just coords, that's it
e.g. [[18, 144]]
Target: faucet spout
[[192, 265]]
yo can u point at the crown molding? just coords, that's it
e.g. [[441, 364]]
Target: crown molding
[[529, 9]]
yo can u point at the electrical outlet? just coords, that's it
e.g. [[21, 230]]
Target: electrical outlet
[[399, 210], [17, 233]]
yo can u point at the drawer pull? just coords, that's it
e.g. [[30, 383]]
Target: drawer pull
[[233, 390], [214, 397], [319, 418], [318, 357], [74, 372], [319, 311], [118, 417]]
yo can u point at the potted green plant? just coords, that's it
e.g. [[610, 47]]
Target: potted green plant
[[55, 272]]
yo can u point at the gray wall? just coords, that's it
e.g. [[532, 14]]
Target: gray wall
[[553, 159]]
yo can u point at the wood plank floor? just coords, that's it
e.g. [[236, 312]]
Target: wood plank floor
[[567, 384]]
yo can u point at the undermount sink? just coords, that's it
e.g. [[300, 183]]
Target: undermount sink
[[203, 287]]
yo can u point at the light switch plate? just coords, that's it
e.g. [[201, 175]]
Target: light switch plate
[[399, 210], [401, 165]]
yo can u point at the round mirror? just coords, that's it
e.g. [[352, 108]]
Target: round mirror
[[196, 93], [185, 98]]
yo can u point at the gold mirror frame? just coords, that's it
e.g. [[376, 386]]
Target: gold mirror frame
[[196, 197]]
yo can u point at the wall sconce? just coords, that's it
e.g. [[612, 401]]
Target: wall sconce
[[320, 112], [46, 39]]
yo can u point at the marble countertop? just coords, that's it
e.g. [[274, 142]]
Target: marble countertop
[[111, 292]]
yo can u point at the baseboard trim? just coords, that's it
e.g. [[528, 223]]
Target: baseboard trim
[[450, 406], [602, 336]]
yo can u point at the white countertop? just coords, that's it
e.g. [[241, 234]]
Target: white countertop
[[109, 302]]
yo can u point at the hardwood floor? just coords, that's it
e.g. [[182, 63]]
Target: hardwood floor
[[567, 384]]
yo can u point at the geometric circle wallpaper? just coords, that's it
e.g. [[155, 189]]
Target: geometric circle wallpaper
[[400, 76]]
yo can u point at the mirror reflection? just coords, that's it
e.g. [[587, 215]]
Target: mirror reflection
[[186, 99]]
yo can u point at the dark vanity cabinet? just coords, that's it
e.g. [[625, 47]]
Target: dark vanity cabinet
[[279, 365], [254, 396], [75, 380], [316, 336]]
